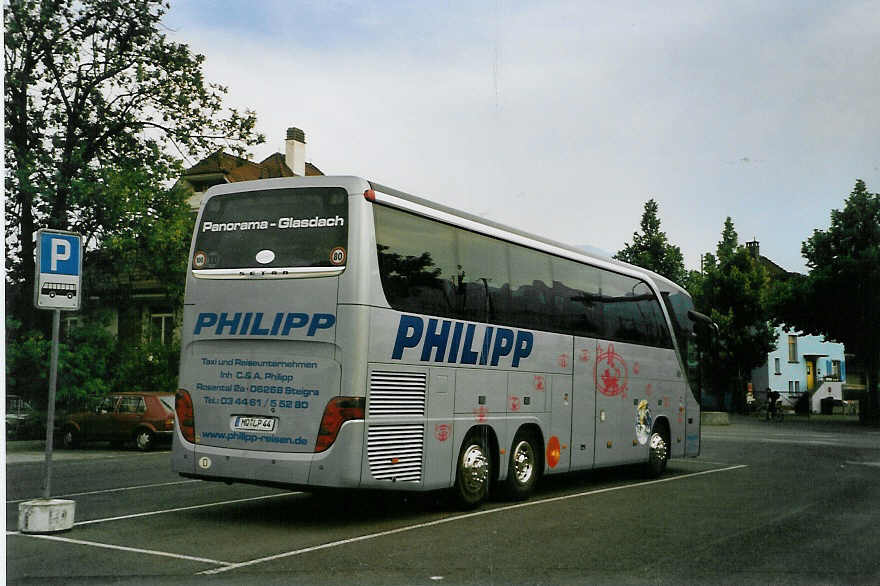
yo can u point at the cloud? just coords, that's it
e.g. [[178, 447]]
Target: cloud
[[562, 118]]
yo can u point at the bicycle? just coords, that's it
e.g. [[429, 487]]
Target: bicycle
[[765, 413]]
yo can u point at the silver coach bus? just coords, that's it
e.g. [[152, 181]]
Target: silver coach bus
[[338, 333]]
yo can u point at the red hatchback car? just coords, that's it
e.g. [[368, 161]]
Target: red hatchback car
[[143, 418]]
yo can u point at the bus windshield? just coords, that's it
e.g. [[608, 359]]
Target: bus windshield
[[279, 228]]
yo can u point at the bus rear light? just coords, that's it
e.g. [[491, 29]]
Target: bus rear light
[[183, 405], [338, 411], [370, 195]]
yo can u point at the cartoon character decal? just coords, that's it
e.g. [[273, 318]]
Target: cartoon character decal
[[644, 422]]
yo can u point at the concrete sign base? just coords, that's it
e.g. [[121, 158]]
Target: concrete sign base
[[45, 515]]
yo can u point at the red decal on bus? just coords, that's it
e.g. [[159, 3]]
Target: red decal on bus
[[585, 355], [514, 403], [611, 372], [481, 413], [441, 432], [539, 382]]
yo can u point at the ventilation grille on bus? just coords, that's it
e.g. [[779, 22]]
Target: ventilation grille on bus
[[395, 452], [397, 393]]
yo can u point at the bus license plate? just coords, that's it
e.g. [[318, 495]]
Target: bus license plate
[[252, 423]]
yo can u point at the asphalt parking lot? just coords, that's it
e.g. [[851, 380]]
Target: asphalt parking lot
[[789, 503]]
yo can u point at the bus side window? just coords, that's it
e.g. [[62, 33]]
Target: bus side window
[[416, 262], [530, 277], [578, 285], [483, 264]]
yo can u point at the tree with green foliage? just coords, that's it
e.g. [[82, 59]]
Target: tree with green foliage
[[651, 249], [733, 290], [98, 98], [86, 363], [101, 109], [840, 297]]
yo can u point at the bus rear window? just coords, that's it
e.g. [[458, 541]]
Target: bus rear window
[[273, 229]]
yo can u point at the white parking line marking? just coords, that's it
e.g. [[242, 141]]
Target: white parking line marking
[[874, 464], [122, 548], [839, 443], [178, 509], [458, 518], [124, 488]]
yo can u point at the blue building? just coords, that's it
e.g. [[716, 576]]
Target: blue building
[[800, 364]]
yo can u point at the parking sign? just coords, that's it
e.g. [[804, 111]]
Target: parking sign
[[58, 283]]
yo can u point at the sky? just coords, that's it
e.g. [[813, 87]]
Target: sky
[[564, 118]]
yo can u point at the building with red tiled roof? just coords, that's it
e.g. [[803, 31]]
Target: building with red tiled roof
[[222, 167]]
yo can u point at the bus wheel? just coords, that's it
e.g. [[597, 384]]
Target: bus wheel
[[658, 453], [52, 294], [472, 473], [524, 466]]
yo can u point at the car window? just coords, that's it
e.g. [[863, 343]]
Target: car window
[[107, 405], [168, 402], [131, 405]]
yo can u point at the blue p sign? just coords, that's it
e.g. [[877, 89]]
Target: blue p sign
[[58, 283], [59, 254]]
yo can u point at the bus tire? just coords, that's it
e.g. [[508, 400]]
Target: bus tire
[[524, 466], [658, 452], [472, 474]]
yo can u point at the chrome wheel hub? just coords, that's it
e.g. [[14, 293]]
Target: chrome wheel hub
[[658, 448], [523, 462], [475, 469]]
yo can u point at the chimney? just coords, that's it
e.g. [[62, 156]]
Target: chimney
[[754, 248], [295, 151]]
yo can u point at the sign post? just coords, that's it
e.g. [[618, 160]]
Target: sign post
[[57, 287]]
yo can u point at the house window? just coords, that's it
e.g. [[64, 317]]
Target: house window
[[835, 369], [161, 327], [776, 366], [70, 324], [797, 386], [790, 387], [792, 349]]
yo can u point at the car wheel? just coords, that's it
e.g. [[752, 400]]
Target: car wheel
[[144, 439], [658, 454], [70, 438], [472, 475], [524, 466]]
